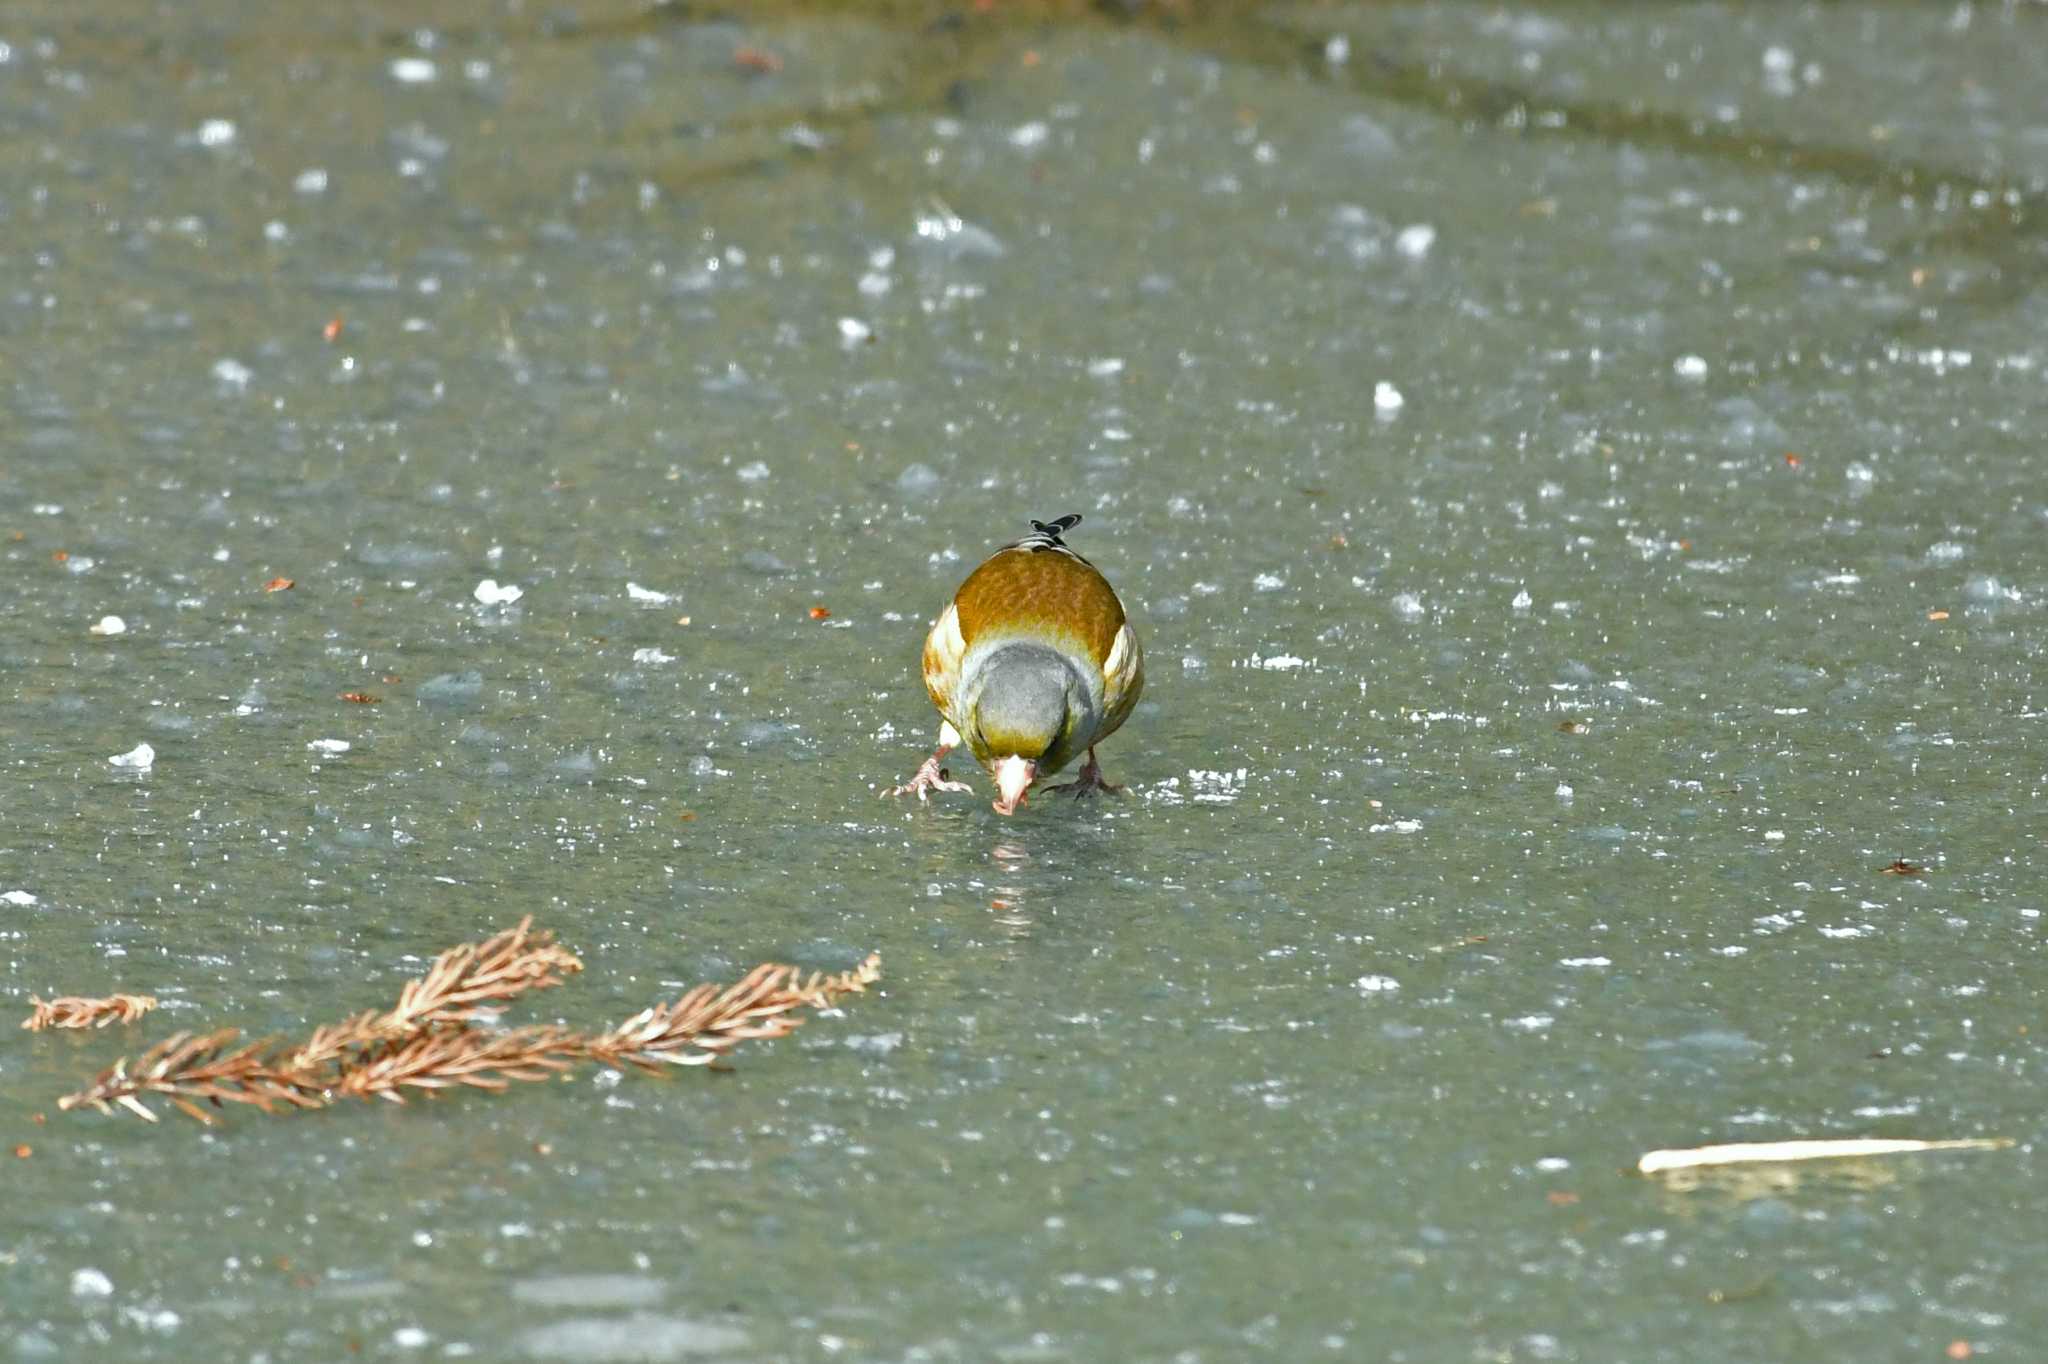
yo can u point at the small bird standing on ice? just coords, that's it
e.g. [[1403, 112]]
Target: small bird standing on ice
[[1031, 664]]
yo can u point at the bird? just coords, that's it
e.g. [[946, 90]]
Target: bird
[[1031, 664]]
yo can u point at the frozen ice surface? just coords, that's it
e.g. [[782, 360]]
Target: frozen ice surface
[[641, 1337], [452, 687], [136, 759], [919, 480]]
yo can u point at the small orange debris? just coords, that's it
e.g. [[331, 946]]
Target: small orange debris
[[682, 620], [1902, 867], [39, 1119], [1030, 58], [1338, 541], [820, 613], [361, 698], [24, 1151], [280, 584], [331, 330], [1919, 276], [1959, 1349], [59, 555], [687, 816], [1558, 1198], [998, 904], [541, 1148], [390, 679], [758, 60], [1791, 460], [1937, 615]]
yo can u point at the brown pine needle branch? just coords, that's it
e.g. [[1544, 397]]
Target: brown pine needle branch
[[188, 1067], [76, 1011], [461, 986], [427, 1042], [444, 1058], [707, 1022]]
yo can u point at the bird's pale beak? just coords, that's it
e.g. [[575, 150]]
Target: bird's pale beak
[[1014, 776]]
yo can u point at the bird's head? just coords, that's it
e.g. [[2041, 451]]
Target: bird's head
[[1021, 713]]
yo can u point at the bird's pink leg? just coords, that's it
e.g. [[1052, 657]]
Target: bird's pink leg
[[930, 777], [1088, 781]]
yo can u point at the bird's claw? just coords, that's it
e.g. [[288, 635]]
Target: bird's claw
[[931, 777], [1086, 784]]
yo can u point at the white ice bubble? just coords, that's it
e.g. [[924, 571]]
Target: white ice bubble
[[755, 472], [1407, 606], [414, 71], [1415, 240], [1689, 367], [329, 748], [1387, 398], [854, 332], [108, 625], [312, 180], [136, 759], [1376, 985], [90, 1283], [232, 373], [1030, 135], [217, 132], [635, 592], [491, 593]]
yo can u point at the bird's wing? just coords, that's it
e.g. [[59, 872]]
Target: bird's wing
[[1123, 678], [944, 650]]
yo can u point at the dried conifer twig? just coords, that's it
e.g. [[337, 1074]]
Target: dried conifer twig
[[427, 1044], [77, 1011], [185, 1067], [460, 987], [707, 1022]]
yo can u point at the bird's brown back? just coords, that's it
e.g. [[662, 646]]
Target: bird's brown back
[[1051, 589]]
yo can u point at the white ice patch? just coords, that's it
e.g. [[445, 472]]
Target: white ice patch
[[136, 759], [108, 625], [414, 71], [1689, 367], [635, 592], [328, 748], [1376, 985], [18, 897], [1396, 826], [1386, 398], [652, 656], [491, 593], [1415, 240], [1278, 663]]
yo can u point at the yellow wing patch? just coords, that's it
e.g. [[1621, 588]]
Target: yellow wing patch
[[1123, 679], [944, 649]]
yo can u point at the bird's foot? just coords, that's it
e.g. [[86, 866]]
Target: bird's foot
[[931, 777], [1088, 782]]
